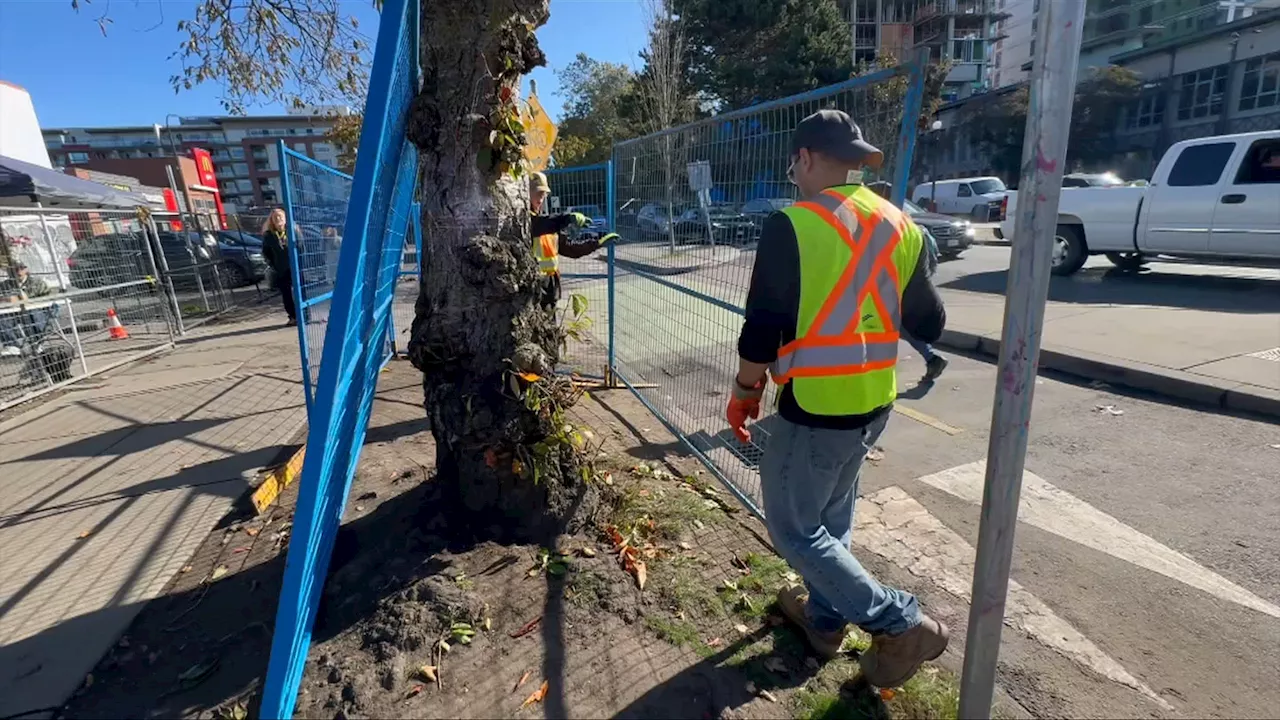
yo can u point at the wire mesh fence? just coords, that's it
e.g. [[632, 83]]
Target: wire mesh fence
[[315, 205], [690, 204], [406, 290], [356, 345], [584, 280], [79, 293], [209, 270]]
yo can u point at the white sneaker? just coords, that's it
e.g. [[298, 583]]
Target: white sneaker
[[10, 351]]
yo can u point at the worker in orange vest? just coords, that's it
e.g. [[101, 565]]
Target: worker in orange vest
[[838, 277], [550, 241]]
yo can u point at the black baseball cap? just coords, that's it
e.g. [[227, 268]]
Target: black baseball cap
[[834, 134]]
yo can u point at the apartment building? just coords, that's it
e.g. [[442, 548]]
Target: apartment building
[[1115, 27], [1016, 39], [962, 31], [243, 148]]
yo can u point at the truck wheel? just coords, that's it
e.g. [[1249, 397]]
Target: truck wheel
[[1069, 250], [1130, 262]]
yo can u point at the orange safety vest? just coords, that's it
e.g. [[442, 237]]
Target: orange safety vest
[[856, 254], [546, 248]]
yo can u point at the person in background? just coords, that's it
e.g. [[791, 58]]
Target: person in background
[[549, 241], [837, 276], [15, 326], [934, 363], [275, 248], [332, 244]]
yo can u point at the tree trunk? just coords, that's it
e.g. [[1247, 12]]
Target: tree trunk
[[485, 346]]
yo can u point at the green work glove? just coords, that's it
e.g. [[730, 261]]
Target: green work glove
[[580, 220], [609, 238]]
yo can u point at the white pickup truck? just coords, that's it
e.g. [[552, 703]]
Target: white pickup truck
[[1213, 199]]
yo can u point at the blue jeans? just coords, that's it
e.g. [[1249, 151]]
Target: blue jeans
[[809, 478], [922, 347]]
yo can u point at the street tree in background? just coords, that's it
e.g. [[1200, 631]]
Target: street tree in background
[[592, 119], [746, 51], [1101, 98]]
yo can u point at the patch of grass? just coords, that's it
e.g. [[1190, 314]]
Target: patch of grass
[[752, 595], [682, 587], [587, 588], [672, 510], [680, 633], [933, 694]]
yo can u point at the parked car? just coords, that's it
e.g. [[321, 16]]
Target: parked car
[[1106, 179], [599, 222], [242, 260], [105, 260], [760, 208], [652, 220], [1212, 199], [953, 234], [977, 197], [728, 225]]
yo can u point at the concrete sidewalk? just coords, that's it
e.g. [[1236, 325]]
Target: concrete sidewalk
[[107, 490], [1216, 357]]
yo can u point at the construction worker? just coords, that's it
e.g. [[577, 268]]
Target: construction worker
[[934, 363], [548, 245], [837, 278]]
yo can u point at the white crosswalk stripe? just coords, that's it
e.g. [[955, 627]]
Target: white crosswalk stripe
[[898, 528], [1053, 510]]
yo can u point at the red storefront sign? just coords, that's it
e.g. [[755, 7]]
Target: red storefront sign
[[171, 204], [207, 177]]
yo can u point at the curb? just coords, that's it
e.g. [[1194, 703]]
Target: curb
[[1198, 389], [276, 480]]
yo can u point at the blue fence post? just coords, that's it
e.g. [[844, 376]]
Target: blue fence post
[[911, 108], [610, 220], [416, 219], [295, 268]]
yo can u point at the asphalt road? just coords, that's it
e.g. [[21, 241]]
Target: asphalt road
[[1146, 551]]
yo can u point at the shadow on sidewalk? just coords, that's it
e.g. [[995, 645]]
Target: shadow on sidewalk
[[1117, 287]]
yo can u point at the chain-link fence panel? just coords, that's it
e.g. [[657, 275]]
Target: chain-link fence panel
[[357, 342], [406, 290], [690, 203], [78, 295], [315, 206], [583, 309]]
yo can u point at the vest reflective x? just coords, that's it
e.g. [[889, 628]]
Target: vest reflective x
[[546, 248], [857, 253]]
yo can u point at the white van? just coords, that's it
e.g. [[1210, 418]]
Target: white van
[[977, 197]]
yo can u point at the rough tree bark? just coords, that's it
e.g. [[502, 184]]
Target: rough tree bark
[[479, 335]]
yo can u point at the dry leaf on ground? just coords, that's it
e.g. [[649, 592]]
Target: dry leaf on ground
[[536, 697], [219, 572], [523, 679], [428, 672]]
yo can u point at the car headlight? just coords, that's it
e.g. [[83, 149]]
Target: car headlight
[[969, 231]]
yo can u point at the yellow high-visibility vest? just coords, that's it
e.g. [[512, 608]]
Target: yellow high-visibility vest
[[857, 253], [546, 248]]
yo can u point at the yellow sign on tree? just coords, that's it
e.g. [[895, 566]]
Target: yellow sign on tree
[[539, 134]]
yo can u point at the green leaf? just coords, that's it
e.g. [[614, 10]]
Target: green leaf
[[579, 303]]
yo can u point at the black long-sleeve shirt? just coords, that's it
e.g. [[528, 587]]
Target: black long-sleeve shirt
[[773, 305], [570, 248]]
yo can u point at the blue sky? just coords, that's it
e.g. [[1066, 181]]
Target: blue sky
[[79, 78]]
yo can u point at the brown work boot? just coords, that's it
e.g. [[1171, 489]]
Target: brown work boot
[[894, 659], [793, 601]]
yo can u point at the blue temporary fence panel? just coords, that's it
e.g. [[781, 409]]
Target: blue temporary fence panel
[[355, 346], [315, 207]]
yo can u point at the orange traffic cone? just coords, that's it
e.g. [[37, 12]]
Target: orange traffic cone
[[114, 328]]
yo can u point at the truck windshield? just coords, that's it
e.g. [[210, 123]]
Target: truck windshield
[[982, 187]]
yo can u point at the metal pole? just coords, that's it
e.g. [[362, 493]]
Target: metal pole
[[149, 226], [168, 275], [1053, 79], [911, 107], [186, 233], [62, 285], [610, 218]]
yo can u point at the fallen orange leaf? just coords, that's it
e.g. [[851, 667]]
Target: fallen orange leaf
[[641, 573], [530, 377], [84, 534], [251, 532], [536, 697], [887, 694], [522, 680]]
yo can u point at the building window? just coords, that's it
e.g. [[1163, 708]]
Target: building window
[[237, 153], [1148, 111], [1201, 93], [310, 131], [1261, 86]]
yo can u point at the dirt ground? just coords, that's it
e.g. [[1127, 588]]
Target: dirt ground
[[529, 632]]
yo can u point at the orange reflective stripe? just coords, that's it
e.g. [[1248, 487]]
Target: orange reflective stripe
[[832, 346]]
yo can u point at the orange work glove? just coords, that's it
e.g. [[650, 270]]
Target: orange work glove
[[743, 404]]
